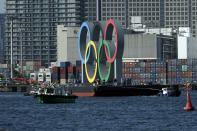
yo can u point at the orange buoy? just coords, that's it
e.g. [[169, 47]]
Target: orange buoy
[[188, 106]]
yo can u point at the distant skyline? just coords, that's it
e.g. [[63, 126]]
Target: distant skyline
[[2, 6]]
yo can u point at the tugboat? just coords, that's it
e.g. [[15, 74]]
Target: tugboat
[[51, 95], [170, 91]]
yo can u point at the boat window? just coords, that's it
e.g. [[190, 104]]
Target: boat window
[[58, 91], [50, 90]]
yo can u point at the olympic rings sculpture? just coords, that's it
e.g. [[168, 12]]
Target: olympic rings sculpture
[[94, 60]]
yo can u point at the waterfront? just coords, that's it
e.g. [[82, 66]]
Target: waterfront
[[20, 112]]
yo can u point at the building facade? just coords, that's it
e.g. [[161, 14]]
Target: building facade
[[34, 27], [114, 10], [92, 10], [154, 13], [149, 46], [123, 10], [67, 44], [2, 37]]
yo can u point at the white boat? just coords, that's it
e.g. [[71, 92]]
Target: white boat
[[170, 91]]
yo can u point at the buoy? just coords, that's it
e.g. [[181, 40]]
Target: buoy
[[188, 106]]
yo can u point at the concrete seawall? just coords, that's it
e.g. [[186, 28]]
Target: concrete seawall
[[15, 88]]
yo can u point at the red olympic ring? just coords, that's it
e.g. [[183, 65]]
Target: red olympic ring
[[111, 22]]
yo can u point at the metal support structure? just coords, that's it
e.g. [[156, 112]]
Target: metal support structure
[[97, 10], [11, 49]]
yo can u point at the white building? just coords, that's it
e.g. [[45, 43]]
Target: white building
[[67, 44]]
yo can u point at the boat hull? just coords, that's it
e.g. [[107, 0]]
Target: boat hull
[[52, 99], [124, 91], [110, 90]]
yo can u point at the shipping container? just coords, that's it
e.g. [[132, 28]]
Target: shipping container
[[78, 63], [41, 77], [71, 69], [48, 77], [64, 64], [33, 76]]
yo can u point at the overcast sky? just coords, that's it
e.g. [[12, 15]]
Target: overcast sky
[[2, 6]]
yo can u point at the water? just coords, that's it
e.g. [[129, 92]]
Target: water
[[18, 112]]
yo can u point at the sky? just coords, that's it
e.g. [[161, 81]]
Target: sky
[[2, 6]]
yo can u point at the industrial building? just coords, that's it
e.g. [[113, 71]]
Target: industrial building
[[149, 46], [67, 44], [136, 45]]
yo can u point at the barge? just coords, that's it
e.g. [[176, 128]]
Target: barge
[[84, 90]]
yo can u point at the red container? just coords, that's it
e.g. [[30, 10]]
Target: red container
[[71, 69], [158, 70], [147, 65], [64, 76], [149, 60], [142, 80], [132, 64], [172, 74], [147, 70], [169, 62], [126, 64], [62, 70]]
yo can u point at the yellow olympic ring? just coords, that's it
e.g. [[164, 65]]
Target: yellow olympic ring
[[94, 76]]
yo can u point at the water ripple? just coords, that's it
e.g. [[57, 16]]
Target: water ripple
[[18, 112]]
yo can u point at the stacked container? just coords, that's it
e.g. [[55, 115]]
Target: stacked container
[[64, 72], [55, 76], [71, 73], [5, 71], [31, 66], [144, 72], [181, 71], [63, 75], [78, 71]]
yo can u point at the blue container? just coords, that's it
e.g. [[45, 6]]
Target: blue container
[[189, 61], [78, 63], [153, 70], [4, 70], [64, 64], [142, 64], [54, 76]]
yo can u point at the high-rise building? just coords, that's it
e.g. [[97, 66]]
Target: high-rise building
[[2, 37], [115, 9], [177, 13], [34, 27], [181, 13], [154, 13], [149, 11], [193, 17], [123, 10], [92, 9]]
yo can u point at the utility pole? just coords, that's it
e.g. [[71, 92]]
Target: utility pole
[[21, 33], [11, 66], [11, 46]]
